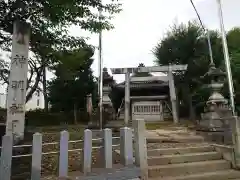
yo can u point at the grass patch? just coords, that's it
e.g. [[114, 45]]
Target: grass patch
[[56, 129], [168, 124], [158, 125]]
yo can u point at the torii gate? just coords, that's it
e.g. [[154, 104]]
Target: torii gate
[[165, 69]]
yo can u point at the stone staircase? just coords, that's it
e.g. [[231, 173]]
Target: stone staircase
[[189, 163]]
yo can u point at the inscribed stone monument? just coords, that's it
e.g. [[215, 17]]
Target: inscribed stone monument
[[18, 80]]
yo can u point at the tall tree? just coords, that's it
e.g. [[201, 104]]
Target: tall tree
[[74, 80], [50, 20], [187, 44], [233, 39]]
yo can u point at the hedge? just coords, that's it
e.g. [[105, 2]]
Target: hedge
[[40, 118]]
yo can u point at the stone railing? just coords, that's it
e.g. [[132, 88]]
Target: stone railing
[[134, 168]]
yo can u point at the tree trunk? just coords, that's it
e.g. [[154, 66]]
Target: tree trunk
[[191, 109], [45, 90], [188, 100], [75, 113], [35, 86]]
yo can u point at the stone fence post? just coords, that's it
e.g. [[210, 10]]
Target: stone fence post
[[140, 146], [126, 146], [6, 157], [235, 126]]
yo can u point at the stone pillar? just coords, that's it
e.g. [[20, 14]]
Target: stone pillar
[[127, 98], [126, 146], [172, 95], [140, 146], [235, 126], [18, 80]]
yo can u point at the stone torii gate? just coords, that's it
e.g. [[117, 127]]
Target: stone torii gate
[[165, 69]]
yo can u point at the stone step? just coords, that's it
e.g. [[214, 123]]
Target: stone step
[[216, 175], [188, 168], [183, 158], [172, 151]]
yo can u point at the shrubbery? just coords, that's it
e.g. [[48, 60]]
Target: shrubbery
[[40, 118]]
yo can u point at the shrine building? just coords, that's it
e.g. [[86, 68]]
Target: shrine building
[[149, 98]]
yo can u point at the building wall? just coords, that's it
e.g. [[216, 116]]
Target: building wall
[[2, 100], [151, 111], [37, 101]]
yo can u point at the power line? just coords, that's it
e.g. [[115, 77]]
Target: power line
[[199, 18], [208, 34]]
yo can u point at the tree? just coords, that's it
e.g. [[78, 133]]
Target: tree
[[187, 44], [233, 39], [50, 20], [74, 80]]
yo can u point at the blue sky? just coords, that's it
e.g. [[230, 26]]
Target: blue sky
[[143, 23]]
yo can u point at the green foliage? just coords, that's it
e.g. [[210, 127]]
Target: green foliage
[[73, 82], [39, 117], [3, 114], [187, 44], [233, 38], [50, 20]]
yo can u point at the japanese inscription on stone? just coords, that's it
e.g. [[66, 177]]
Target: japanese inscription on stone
[[19, 60], [18, 80]]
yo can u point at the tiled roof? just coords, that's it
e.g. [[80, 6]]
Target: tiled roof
[[143, 85], [152, 81]]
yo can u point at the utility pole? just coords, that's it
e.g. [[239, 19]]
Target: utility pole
[[226, 57], [100, 77]]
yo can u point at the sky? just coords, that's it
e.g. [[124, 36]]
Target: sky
[[141, 25]]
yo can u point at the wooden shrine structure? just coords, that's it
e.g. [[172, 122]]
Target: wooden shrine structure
[[157, 82]]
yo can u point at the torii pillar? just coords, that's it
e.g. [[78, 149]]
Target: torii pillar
[[172, 92]]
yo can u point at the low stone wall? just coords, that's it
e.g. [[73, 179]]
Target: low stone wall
[[227, 152], [218, 137]]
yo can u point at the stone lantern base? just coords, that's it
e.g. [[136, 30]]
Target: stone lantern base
[[216, 126], [215, 120]]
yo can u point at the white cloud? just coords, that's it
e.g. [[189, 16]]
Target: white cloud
[[142, 23]]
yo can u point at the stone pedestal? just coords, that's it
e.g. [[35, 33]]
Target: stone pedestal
[[215, 120], [215, 124]]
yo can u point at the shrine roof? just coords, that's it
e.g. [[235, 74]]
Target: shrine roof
[[146, 82]]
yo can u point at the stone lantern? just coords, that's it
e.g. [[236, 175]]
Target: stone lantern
[[217, 112], [108, 110], [107, 82]]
